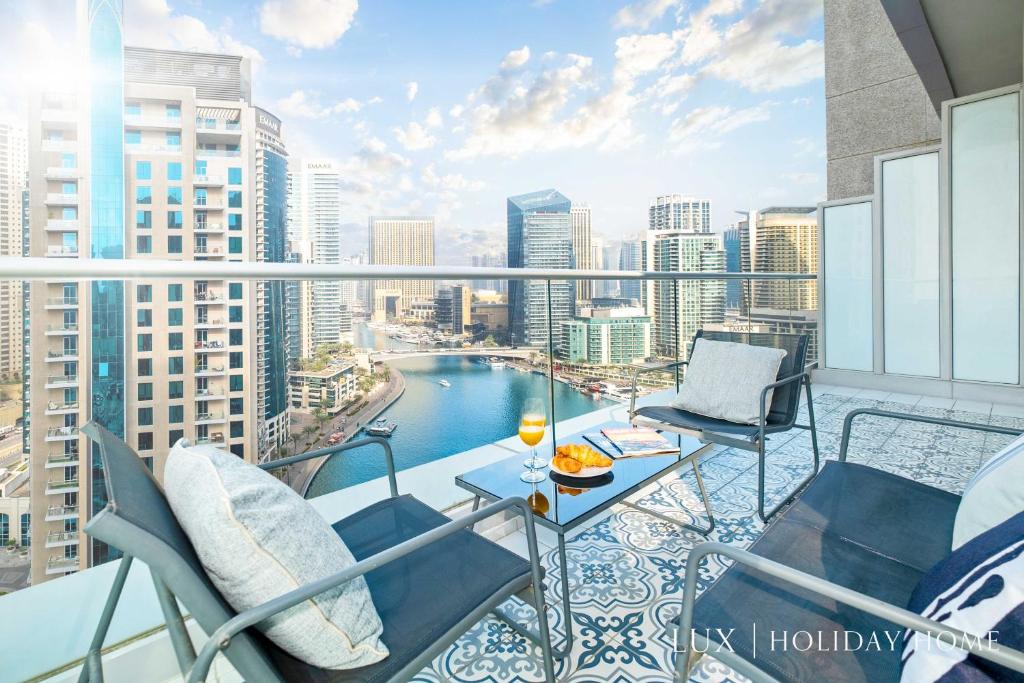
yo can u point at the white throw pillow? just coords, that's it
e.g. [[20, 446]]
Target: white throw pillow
[[257, 539], [724, 380], [994, 494]]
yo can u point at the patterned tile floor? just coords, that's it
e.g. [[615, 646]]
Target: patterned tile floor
[[626, 569]]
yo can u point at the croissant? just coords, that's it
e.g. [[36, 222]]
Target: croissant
[[584, 454], [567, 464]]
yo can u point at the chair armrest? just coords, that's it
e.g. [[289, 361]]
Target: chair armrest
[[1000, 654], [848, 425], [221, 638], [773, 386], [331, 450], [649, 368]]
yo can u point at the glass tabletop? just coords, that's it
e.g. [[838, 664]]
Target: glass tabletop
[[560, 502]]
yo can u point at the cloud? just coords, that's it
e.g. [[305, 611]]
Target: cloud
[[449, 182], [305, 104], [703, 127], [376, 158], [802, 178], [642, 53], [411, 88], [434, 119], [153, 23], [642, 14], [313, 24], [414, 137], [515, 59]]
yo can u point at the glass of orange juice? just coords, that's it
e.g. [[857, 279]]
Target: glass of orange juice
[[531, 431]]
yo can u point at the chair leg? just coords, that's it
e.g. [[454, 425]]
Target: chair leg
[[765, 517], [92, 669], [180, 641], [814, 427]]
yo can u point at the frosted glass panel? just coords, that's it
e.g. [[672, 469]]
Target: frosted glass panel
[[910, 266], [985, 222], [847, 267]]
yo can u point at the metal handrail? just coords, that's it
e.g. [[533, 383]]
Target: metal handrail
[[42, 268]]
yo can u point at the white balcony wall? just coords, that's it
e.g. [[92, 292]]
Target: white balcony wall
[[845, 270], [910, 248]]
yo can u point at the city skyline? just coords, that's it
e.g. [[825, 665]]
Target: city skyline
[[674, 94]]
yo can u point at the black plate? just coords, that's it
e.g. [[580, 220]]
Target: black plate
[[582, 482]]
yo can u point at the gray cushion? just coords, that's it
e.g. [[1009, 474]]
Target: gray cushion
[[257, 539], [724, 380], [423, 595], [856, 526]]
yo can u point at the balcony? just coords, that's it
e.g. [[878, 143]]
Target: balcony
[[61, 302], [207, 252], [52, 115], [60, 539], [151, 148], [58, 459], [61, 199], [215, 394], [61, 565], [62, 434], [152, 122], [58, 487], [62, 224], [209, 324], [62, 173], [208, 298], [59, 145], [215, 439], [210, 371], [208, 228], [62, 356], [61, 381], [208, 204], [208, 180], [210, 347], [217, 153], [210, 418], [67, 329], [54, 408], [62, 251], [58, 513]]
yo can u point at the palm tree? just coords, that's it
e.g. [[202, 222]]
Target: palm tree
[[294, 438], [321, 416], [308, 431]]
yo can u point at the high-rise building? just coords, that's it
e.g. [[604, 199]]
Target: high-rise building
[[453, 309], [539, 236], [582, 250], [677, 213], [631, 258], [400, 241], [606, 336], [315, 219], [490, 261], [681, 307], [733, 263], [271, 223], [154, 160], [13, 177]]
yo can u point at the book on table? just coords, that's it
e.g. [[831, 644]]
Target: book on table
[[627, 442]]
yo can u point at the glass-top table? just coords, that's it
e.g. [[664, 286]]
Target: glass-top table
[[562, 503]]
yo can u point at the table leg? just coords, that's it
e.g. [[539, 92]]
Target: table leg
[[704, 531]]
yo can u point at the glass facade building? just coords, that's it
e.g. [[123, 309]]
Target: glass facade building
[[275, 239]]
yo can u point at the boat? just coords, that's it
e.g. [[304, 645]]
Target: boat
[[381, 427], [494, 362], [444, 383]]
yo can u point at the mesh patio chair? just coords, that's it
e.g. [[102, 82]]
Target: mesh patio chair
[[780, 416], [431, 578]]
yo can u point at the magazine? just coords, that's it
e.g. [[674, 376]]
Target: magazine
[[603, 444], [632, 442]]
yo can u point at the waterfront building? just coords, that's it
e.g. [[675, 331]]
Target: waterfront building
[[315, 220], [400, 241], [271, 222], [490, 316], [733, 264], [13, 176], [679, 213], [419, 312], [453, 309], [166, 140], [582, 250], [606, 336], [490, 261], [539, 236], [328, 388], [682, 307]]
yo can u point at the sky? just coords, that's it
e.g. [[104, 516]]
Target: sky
[[447, 107]]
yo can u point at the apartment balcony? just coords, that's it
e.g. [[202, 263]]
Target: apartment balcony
[[59, 459], [210, 418], [208, 299], [59, 145], [59, 513], [209, 204], [62, 356], [62, 434], [61, 199], [152, 122], [215, 371], [64, 330], [151, 148], [215, 439], [217, 153], [210, 324], [62, 251], [55, 115], [208, 252], [220, 132], [215, 394], [54, 408], [55, 487], [208, 180], [61, 303], [62, 173], [61, 381], [61, 539], [208, 228], [210, 347], [62, 224], [61, 565]]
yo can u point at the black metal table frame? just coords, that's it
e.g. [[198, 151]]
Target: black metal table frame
[[561, 530]]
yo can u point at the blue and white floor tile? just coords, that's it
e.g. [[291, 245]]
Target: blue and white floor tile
[[626, 570]]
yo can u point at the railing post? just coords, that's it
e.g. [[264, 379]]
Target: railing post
[[551, 369], [675, 325]]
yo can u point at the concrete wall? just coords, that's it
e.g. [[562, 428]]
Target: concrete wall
[[874, 99]]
